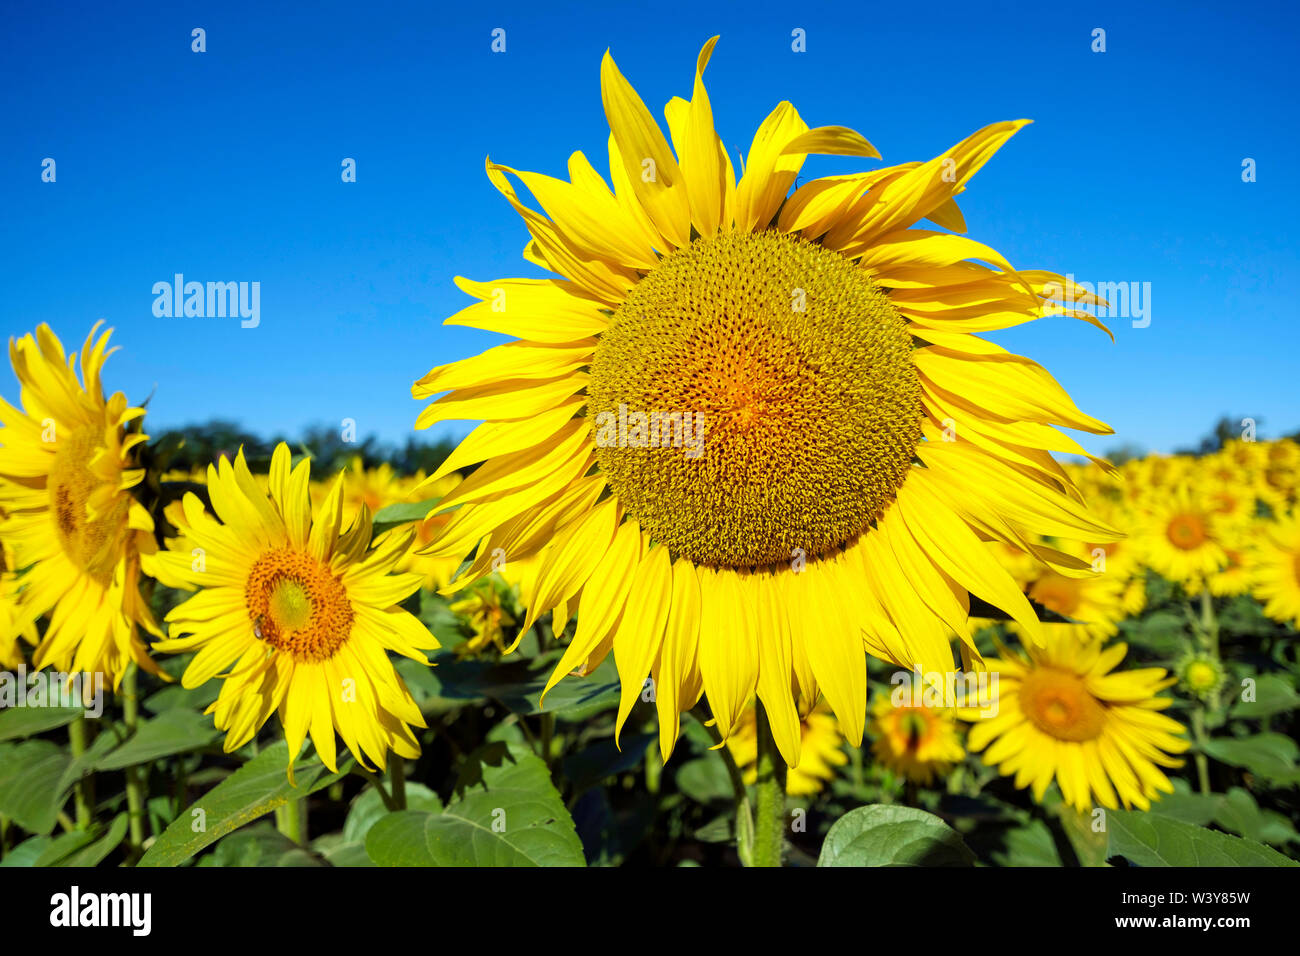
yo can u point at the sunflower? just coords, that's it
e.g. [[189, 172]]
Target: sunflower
[[735, 403], [69, 463], [1181, 540], [821, 750], [487, 617], [1061, 713], [1094, 601], [1275, 569], [435, 572], [916, 742], [294, 613]]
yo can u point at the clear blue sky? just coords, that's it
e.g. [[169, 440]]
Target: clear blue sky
[[225, 166]]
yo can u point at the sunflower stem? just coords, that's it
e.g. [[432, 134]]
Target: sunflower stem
[[769, 791], [291, 820], [744, 808], [1209, 622], [134, 784], [84, 792], [1202, 761]]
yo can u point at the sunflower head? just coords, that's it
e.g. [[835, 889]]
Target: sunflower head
[[1061, 714], [69, 468], [297, 613], [737, 399], [917, 742]]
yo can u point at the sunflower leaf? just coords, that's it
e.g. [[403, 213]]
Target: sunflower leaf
[[1147, 839], [254, 790], [880, 835], [32, 787], [506, 813], [404, 512]]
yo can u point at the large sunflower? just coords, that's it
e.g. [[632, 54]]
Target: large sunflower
[[69, 464], [295, 613], [1062, 714], [747, 431]]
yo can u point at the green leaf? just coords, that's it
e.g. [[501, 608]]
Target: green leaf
[[32, 788], [369, 807], [1195, 808], [252, 791], [1147, 839], [1163, 633], [881, 835], [259, 845], [1028, 845], [518, 684], [1273, 695], [604, 759], [404, 512], [1239, 813], [84, 848], [507, 813], [171, 732], [27, 852], [1269, 755], [705, 780], [17, 722]]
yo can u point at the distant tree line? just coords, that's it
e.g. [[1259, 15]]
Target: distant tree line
[[199, 445]]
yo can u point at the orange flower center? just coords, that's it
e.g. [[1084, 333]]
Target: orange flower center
[[1057, 593], [91, 543], [791, 372], [1186, 532], [297, 605], [1058, 703]]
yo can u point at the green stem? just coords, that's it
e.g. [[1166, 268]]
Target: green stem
[[83, 793], [291, 820], [1202, 762], [1209, 622], [134, 783], [744, 810], [769, 814], [397, 775]]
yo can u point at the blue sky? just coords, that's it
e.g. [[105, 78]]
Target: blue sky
[[225, 166]]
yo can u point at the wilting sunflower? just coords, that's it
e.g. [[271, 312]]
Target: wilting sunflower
[[1275, 569], [737, 404], [821, 750], [1062, 714], [295, 614], [69, 464], [917, 742]]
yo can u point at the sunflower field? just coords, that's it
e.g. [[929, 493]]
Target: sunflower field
[[759, 553]]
